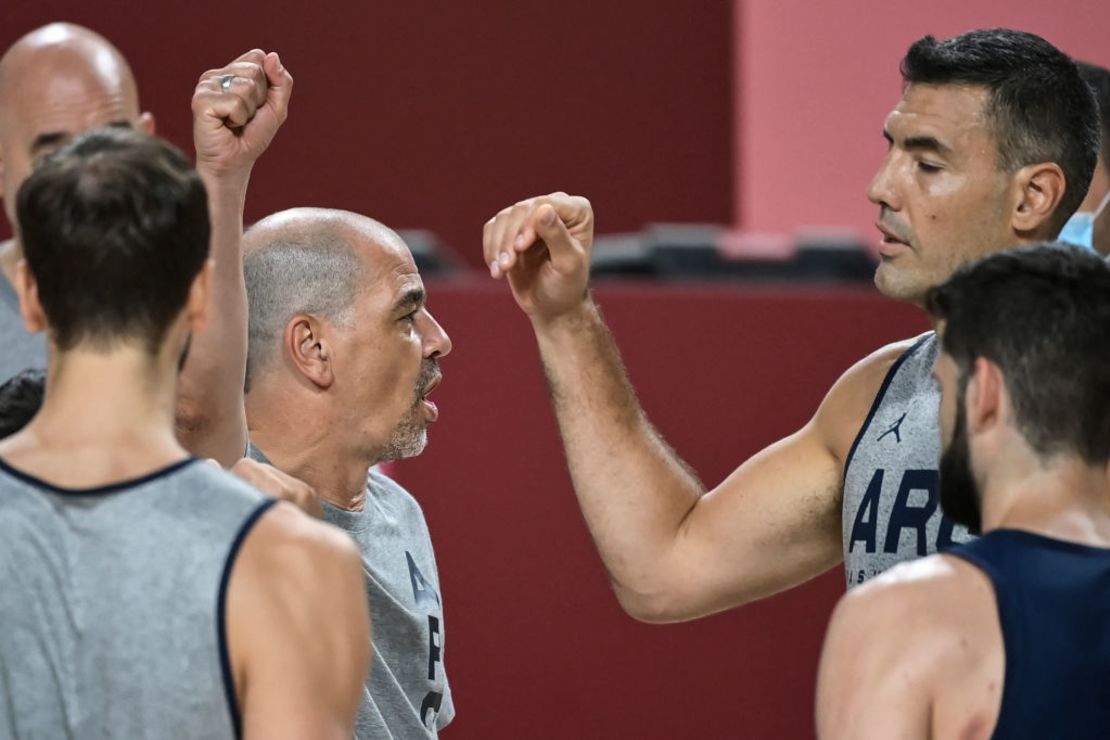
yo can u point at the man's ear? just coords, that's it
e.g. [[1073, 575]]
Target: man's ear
[[309, 350], [34, 318], [1039, 190], [986, 397], [146, 123], [196, 305]]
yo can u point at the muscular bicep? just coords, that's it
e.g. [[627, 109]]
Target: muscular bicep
[[776, 520], [773, 523], [299, 632]]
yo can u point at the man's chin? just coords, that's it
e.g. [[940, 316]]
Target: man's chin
[[896, 283], [408, 445]]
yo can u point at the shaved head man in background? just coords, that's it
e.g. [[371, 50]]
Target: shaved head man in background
[[60, 80], [54, 82], [343, 355]]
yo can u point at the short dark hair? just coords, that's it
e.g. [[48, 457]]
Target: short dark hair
[[1039, 109], [1042, 314], [114, 227], [20, 399], [1099, 80]]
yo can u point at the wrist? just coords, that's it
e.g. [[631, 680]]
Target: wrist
[[223, 178], [569, 322], [225, 189]]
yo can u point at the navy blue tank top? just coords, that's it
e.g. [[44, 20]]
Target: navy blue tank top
[[1054, 608]]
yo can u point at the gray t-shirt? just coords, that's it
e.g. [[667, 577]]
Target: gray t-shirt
[[19, 349], [891, 509], [407, 695], [112, 604]]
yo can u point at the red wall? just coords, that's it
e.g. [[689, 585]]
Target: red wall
[[815, 81], [438, 114], [537, 645]]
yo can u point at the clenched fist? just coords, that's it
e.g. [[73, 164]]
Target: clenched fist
[[237, 109]]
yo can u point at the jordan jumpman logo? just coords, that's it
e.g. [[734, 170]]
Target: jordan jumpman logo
[[895, 427]]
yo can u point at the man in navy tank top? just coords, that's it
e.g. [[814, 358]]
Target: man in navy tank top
[[992, 145], [1004, 637], [147, 594]]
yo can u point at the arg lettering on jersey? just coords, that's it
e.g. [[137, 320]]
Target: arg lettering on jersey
[[426, 597]]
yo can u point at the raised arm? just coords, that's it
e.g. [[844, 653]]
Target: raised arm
[[233, 124], [673, 551], [298, 629]]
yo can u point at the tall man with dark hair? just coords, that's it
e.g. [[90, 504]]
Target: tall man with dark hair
[[1004, 637], [991, 145], [146, 593]]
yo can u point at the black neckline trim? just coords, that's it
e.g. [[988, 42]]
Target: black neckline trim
[[97, 490], [878, 400]]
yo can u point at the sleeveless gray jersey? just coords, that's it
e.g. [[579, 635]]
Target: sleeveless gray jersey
[[111, 608], [406, 696], [19, 349], [891, 507]]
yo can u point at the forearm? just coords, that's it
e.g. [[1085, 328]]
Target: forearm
[[210, 390], [634, 491]]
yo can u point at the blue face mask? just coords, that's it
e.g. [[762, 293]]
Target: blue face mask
[[1078, 230]]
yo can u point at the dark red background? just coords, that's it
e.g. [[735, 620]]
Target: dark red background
[[438, 114], [537, 645]]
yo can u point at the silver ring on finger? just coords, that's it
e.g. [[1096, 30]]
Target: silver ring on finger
[[225, 82]]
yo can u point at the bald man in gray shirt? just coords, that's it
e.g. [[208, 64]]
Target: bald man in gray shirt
[[342, 356]]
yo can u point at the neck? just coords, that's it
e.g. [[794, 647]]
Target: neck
[[1064, 498], [105, 416], [305, 445]]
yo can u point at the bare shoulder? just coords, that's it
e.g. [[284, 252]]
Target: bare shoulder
[[290, 558], [920, 613], [292, 678], [289, 540], [909, 651], [846, 405]]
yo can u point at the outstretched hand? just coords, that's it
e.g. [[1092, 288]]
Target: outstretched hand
[[237, 110], [543, 246]]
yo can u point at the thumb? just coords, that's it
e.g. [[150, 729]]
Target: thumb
[[563, 249], [280, 85]]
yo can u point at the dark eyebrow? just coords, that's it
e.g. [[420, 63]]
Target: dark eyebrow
[[54, 139], [412, 298], [926, 143]]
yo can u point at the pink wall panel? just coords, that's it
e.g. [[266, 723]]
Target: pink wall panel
[[816, 79]]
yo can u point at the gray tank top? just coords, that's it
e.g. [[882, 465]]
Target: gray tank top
[[19, 349], [112, 604], [891, 495]]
